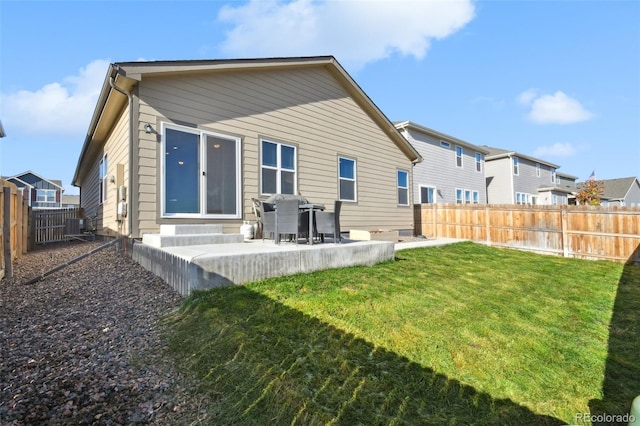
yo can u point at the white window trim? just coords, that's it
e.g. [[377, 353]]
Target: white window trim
[[48, 192], [203, 167], [398, 187], [435, 193], [538, 169], [475, 197], [444, 144], [354, 180], [515, 164], [278, 168], [479, 162], [553, 175]]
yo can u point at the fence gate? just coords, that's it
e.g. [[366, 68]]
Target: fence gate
[[49, 225]]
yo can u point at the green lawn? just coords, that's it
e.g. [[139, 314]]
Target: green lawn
[[461, 334]]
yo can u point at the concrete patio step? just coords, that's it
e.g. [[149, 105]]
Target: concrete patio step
[[181, 240], [190, 229]]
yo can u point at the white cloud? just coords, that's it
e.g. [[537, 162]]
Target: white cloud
[[356, 32], [526, 97], [58, 108], [558, 149], [557, 108]]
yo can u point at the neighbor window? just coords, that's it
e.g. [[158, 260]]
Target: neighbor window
[[46, 195], [476, 197], [538, 169], [553, 175], [102, 179], [459, 199], [467, 196], [200, 173], [458, 156], [403, 187], [522, 198], [445, 144], [516, 166], [478, 162], [278, 168], [347, 179], [427, 195]]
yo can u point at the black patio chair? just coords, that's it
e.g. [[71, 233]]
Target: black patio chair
[[290, 221], [328, 223]]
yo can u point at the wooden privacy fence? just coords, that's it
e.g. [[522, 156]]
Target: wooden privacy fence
[[14, 216], [49, 226], [611, 233]]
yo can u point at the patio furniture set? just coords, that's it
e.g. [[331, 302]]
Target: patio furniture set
[[296, 218]]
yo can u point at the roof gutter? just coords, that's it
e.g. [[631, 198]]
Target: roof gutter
[[129, 96]]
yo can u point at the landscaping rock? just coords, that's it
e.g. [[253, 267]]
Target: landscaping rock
[[83, 345]]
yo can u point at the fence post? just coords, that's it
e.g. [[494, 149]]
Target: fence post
[[434, 216], [487, 224], [6, 232], [565, 236]]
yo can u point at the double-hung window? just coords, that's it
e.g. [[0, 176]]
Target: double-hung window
[[46, 195], [458, 156], [102, 179], [553, 175], [467, 196], [478, 162], [200, 173], [476, 197], [459, 199], [347, 179], [537, 169], [277, 168], [403, 187], [516, 166]]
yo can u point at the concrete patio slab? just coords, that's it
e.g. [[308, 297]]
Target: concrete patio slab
[[199, 267]]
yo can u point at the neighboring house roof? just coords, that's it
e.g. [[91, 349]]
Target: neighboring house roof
[[25, 178], [617, 189], [496, 153], [18, 182], [566, 175], [556, 189], [126, 75], [438, 135]]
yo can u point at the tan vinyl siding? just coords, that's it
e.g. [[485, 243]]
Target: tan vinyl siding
[[306, 108], [116, 150]]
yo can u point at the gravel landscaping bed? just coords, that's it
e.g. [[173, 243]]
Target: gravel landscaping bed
[[83, 345]]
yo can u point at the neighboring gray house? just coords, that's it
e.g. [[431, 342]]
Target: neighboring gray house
[[452, 170], [514, 178], [621, 192], [37, 191]]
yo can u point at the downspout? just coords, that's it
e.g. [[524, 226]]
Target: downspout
[[112, 83]]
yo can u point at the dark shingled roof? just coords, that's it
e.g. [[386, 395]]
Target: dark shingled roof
[[617, 188]]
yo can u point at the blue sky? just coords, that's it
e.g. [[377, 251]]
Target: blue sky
[[557, 80]]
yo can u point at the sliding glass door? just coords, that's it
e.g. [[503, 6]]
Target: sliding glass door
[[200, 174]]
